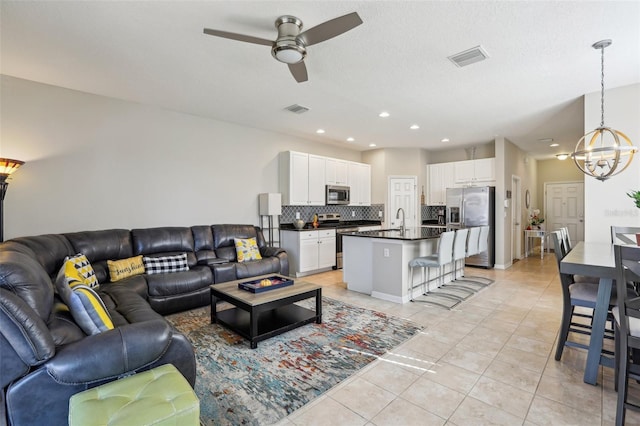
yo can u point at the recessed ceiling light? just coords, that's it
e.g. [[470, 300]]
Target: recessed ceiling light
[[414, 127], [445, 140], [553, 145], [372, 145], [383, 114], [562, 156], [320, 131], [350, 139]]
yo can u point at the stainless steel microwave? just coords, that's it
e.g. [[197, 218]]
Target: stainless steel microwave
[[337, 195]]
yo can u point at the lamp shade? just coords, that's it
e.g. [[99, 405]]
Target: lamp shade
[[8, 166], [270, 204]]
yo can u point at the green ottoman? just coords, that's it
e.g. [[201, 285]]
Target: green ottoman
[[161, 396]]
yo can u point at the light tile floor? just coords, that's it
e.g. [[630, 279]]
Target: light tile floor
[[488, 361]]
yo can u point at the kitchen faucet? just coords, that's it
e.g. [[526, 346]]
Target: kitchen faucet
[[402, 227]]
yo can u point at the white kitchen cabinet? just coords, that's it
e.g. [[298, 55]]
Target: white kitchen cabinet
[[309, 251], [360, 184], [475, 172], [336, 171], [439, 178], [326, 248], [317, 186], [485, 170], [302, 179]]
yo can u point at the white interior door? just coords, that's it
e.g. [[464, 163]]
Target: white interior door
[[516, 218], [403, 193], [564, 206]]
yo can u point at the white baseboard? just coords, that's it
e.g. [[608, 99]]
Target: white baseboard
[[389, 297]]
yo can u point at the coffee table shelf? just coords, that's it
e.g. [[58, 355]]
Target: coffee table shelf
[[270, 323], [259, 316]]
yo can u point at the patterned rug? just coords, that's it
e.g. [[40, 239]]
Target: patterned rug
[[242, 386]]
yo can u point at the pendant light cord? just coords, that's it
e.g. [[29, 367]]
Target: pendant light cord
[[602, 88]]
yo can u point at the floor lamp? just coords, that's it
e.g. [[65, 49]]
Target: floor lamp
[[7, 167], [270, 205]]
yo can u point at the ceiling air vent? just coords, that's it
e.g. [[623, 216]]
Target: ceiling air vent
[[298, 109], [468, 57]]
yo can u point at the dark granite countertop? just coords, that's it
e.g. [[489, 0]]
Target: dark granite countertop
[[411, 234], [342, 224]]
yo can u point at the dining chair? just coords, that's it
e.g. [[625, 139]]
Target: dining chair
[[624, 234], [566, 245], [566, 238], [574, 294], [627, 327], [443, 257]]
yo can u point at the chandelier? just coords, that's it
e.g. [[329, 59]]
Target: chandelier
[[603, 152]]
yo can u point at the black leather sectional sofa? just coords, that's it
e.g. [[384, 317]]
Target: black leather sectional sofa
[[45, 357]]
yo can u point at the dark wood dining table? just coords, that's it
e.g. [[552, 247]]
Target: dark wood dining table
[[595, 260]]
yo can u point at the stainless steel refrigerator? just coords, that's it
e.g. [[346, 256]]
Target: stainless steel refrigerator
[[474, 206]]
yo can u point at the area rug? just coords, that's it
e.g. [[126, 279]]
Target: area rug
[[242, 386]]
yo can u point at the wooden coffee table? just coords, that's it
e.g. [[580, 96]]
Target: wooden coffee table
[[259, 316]]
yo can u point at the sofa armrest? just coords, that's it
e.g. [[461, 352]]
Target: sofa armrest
[[224, 272], [282, 256], [24, 330], [269, 251], [110, 354]]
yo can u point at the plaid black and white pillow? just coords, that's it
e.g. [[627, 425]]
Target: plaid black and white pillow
[[165, 264]]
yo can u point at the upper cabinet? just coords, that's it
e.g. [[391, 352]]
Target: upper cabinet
[[360, 184], [457, 174], [475, 172], [336, 171], [302, 179], [439, 178]]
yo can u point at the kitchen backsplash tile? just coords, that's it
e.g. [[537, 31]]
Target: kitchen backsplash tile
[[346, 212], [430, 212]]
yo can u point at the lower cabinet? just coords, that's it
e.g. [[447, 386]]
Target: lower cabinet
[[309, 251]]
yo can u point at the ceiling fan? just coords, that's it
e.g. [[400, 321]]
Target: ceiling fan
[[291, 45]]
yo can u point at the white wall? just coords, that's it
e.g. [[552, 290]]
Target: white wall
[[606, 203], [95, 163], [510, 161]]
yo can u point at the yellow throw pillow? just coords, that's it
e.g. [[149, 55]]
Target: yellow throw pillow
[[85, 304], [121, 269], [247, 249], [87, 274]]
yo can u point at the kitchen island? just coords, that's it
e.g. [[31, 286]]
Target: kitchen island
[[377, 262]]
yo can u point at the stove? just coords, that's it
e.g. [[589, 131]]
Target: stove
[[329, 219], [333, 220]]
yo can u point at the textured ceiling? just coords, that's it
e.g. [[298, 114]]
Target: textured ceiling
[[541, 63]]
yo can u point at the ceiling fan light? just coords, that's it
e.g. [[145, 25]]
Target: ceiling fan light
[[289, 53]]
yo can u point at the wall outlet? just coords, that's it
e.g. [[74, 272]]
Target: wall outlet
[[297, 215], [379, 213], [353, 213], [385, 252]]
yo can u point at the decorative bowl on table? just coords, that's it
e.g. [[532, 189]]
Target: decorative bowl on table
[[298, 223]]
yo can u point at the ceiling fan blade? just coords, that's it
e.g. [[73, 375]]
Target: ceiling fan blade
[[299, 71], [238, 37], [330, 29]]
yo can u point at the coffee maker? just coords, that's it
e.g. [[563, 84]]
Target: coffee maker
[[441, 217]]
